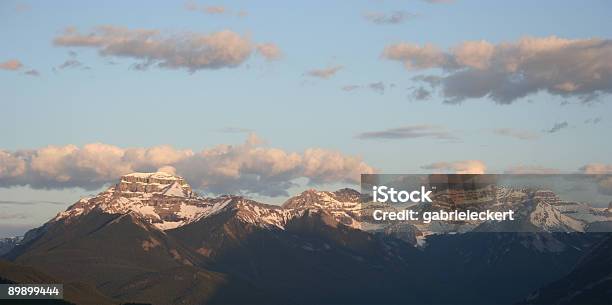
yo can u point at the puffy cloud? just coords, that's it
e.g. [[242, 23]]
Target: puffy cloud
[[508, 71], [476, 54], [324, 73], [269, 51], [191, 51], [391, 18], [11, 65], [516, 133], [324, 166], [11, 165], [458, 167], [557, 127], [250, 167], [531, 169], [409, 132]]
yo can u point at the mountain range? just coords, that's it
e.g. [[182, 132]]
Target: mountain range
[[150, 239]]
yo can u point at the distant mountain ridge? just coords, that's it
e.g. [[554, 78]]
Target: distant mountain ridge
[[151, 239]]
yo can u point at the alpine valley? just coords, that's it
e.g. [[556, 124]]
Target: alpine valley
[[150, 239]]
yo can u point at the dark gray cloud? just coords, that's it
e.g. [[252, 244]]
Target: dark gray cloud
[[395, 17], [506, 72], [409, 132], [557, 127]]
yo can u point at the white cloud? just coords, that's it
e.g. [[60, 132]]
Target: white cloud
[[508, 71], [250, 167]]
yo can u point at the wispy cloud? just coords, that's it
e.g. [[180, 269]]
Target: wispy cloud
[[324, 73], [11, 216], [378, 87], [593, 121], [70, 63], [269, 51], [409, 132], [395, 17], [516, 133], [438, 1], [557, 127], [29, 202], [32, 72]]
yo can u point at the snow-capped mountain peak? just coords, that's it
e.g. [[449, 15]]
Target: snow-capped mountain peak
[[164, 200]]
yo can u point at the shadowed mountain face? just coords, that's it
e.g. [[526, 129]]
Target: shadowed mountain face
[[149, 239], [590, 282]]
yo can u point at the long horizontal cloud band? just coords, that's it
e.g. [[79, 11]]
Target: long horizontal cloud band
[[191, 51], [246, 168], [505, 72]]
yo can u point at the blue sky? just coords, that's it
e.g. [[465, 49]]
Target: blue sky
[[278, 100]]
